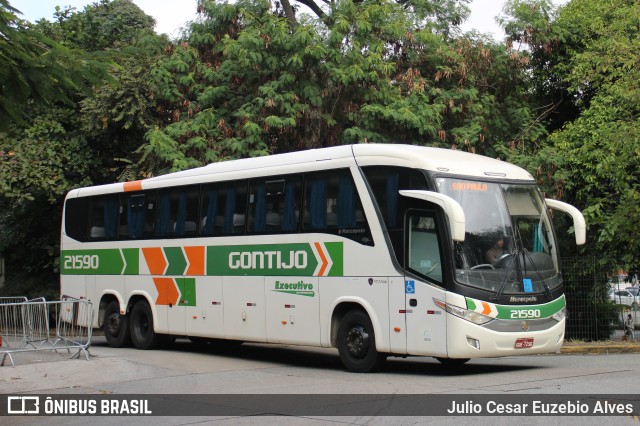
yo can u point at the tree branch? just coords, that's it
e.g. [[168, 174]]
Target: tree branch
[[290, 14], [316, 9]]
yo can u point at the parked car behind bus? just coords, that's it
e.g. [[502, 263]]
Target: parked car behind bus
[[625, 297]]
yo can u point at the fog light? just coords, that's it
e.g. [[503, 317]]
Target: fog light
[[560, 315], [473, 342]]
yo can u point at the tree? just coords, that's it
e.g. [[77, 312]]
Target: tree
[[38, 164], [105, 24], [35, 68], [87, 139], [584, 71], [592, 160], [246, 82]]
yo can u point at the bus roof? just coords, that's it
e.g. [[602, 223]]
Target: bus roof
[[445, 161]]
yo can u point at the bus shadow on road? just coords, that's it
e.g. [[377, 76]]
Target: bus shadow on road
[[431, 366], [328, 359]]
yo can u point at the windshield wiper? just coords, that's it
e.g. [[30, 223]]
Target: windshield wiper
[[507, 275], [547, 290]]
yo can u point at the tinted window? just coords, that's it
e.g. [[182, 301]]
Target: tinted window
[[178, 212], [385, 182], [75, 217], [274, 204], [224, 208], [332, 205], [104, 217], [137, 215]]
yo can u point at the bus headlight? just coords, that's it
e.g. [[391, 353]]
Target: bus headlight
[[560, 315], [465, 314]]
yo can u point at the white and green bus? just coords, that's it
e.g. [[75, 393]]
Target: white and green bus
[[373, 249]]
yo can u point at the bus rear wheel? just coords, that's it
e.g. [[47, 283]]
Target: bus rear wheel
[[142, 333], [116, 326], [357, 343]]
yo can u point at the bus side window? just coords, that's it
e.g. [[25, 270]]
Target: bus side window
[[210, 208], [332, 205], [316, 203], [178, 212], [385, 183], [423, 247], [273, 204], [75, 218], [223, 208], [230, 206], [137, 215], [332, 201], [102, 224]]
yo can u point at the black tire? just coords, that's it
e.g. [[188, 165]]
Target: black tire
[[452, 362], [357, 343], [142, 334], [116, 326]]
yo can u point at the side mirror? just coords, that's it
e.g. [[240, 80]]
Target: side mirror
[[579, 225], [451, 207]]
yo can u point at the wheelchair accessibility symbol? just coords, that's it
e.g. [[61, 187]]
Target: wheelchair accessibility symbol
[[409, 287]]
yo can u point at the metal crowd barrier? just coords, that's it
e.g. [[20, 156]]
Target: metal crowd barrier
[[26, 326]]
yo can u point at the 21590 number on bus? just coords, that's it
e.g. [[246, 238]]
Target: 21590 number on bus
[[80, 261], [525, 313]]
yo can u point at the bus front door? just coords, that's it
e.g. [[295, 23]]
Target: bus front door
[[425, 322]]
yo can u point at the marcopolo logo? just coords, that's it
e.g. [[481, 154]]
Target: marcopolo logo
[[298, 259], [299, 288]]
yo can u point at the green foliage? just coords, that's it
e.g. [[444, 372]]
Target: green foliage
[[38, 165], [35, 161], [247, 83], [70, 138], [592, 160], [591, 314], [248, 79], [35, 68], [29, 242], [105, 24]]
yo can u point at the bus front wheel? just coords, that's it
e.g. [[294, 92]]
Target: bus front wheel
[[357, 343], [142, 333], [116, 326]]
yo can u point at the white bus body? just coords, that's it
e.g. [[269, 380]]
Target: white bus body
[[374, 249]]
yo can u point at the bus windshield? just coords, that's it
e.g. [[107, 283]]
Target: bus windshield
[[509, 247]]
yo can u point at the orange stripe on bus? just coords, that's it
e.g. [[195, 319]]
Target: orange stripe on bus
[[135, 185], [195, 255], [325, 263], [155, 260], [167, 291], [487, 308]]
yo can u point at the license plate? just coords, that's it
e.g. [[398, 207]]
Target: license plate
[[524, 343]]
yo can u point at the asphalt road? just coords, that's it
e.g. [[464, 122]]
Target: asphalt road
[[264, 369]]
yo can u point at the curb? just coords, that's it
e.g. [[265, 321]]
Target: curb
[[600, 348]]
